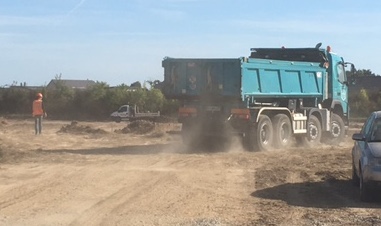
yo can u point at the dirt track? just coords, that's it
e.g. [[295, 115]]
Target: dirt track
[[108, 178]]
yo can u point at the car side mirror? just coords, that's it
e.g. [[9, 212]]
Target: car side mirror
[[358, 137]]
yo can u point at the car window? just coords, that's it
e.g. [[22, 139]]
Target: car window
[[376, 131], [367, 125]]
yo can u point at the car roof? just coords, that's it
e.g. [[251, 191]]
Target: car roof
[[378, 114]]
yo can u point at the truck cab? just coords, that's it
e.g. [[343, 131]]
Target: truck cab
[[337, 86], [125, 112], [131, 112]]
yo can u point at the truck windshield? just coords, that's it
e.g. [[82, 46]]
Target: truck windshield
[[122, 109], [341, 73]]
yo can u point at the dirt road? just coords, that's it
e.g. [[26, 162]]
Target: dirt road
[[97, 176]]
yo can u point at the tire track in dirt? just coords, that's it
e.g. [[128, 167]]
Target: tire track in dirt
[[98, 214], [23, 193], [215, 186], [114, 180], [277, 188], [174, 190], [306, 187], [37, 196]]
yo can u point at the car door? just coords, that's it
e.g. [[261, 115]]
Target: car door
[[359, 146], [123, 111]]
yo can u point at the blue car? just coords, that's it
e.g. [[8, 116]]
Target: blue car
[[366, 157]]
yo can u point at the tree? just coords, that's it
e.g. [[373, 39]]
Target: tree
[[154, 84], [361, 73], [16, 100], [155, 100], [360, 103], [59, 99]]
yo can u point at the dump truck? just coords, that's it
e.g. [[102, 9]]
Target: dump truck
[[131, 113], [272, 98]]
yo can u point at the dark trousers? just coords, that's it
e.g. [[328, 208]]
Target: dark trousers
[[38, 124]]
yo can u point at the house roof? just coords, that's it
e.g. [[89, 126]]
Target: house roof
[[74, 84]]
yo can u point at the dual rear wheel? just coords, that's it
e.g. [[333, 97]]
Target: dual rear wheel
[[267, 133], [277, 133], [315, 134]]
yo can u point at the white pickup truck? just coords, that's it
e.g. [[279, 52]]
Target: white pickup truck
[[130, 113]]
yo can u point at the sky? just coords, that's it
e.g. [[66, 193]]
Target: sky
[[124, 41]]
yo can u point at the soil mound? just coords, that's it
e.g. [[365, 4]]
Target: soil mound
[[138, 127], [74, 128], [165, 119], [3, 121]]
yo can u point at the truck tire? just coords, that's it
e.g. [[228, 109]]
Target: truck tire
[[314, 133], [189, 135], [186, 134], [247, 139], [282, 131], [337, 133], [264, 134]]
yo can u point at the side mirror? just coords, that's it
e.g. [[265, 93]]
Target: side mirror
[[353, 69], [358, 137]]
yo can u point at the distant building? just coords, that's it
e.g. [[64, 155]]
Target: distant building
[[72, 84], [37, 88], [22, 86]]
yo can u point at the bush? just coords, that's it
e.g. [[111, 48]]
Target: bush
[[94, 103]]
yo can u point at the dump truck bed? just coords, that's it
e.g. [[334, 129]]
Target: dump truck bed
[[192, 78], [276, 78], [270, 73]]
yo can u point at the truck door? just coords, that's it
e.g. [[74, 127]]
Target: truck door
[[339, 82], [123, 111]]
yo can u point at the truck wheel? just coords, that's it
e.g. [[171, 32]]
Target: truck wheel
[[313, 135], [337, 133], [282, 131], [264, 134], [247, 139], [185, 134], [188, 134]]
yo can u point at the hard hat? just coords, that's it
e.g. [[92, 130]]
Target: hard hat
[[39, 95]]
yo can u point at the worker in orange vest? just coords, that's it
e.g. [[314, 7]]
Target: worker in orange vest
[[38, 113]]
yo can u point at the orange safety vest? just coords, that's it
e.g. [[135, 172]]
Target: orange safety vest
[[37, 108]]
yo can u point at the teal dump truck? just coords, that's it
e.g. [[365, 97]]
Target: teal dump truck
[[270, 99]]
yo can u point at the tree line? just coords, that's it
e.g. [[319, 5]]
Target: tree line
[[94, 103], [365, 101], [98, 101]]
